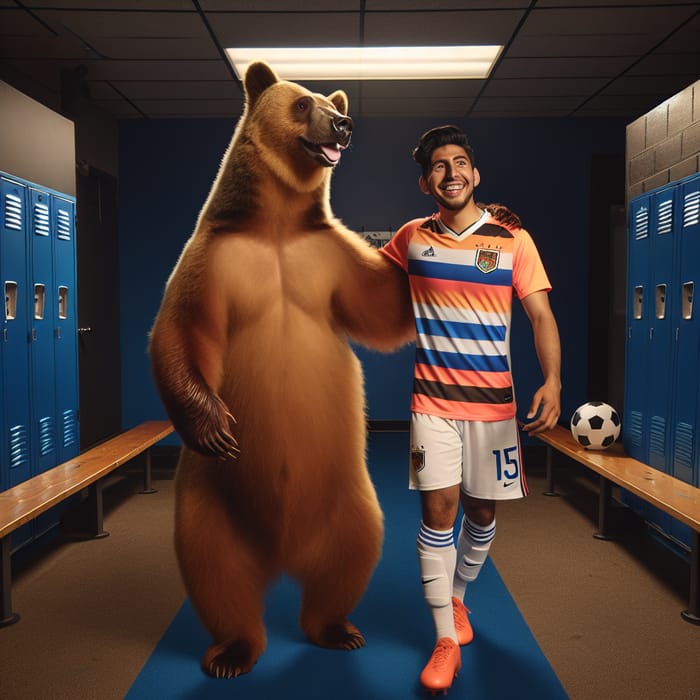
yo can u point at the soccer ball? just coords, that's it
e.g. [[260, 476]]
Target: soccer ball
[[595, 425]]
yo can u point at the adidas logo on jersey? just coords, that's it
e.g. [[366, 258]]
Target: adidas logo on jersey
[[428, 253]]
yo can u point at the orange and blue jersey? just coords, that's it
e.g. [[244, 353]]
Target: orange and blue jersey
[[462, 291]]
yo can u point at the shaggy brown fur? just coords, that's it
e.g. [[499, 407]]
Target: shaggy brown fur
[[254, 324]]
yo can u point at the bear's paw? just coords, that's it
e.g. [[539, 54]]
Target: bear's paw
[[229, 659]]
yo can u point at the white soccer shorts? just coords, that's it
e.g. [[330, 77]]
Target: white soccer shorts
[[484, 457]]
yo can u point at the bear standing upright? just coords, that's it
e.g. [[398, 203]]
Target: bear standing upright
[[250, 355]]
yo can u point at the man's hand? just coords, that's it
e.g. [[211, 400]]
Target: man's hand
[[502, 214], [544, 410]]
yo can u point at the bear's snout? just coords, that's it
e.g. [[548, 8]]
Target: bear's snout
[[342, 126]]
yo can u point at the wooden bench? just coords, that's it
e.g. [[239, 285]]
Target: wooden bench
[[675, 497], [29, 499]]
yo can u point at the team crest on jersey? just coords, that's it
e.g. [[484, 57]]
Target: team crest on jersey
[[418, 460], [487, 260]]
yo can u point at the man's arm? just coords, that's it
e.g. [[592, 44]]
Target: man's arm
[[548, 348]]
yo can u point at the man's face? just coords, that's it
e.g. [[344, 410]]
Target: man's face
[[451, 179]]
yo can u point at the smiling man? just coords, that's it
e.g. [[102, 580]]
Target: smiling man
[[463, 266]]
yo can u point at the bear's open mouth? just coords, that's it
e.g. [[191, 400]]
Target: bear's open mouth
[[326, 154]]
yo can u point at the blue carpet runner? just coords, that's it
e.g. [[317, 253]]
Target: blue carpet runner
[[504, 662]]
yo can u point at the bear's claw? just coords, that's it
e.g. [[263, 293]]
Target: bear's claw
[[341, 636], [229, 660]]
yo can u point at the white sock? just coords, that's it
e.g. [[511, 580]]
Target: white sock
[[473, 546], [437, 556]]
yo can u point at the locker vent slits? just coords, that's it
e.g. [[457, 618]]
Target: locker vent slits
[[13, 212], [63, 227], [19, 446], [635, 428], [70, 428], [683, 445], [665, 217], [691, 209], [641, 223], [657, 440], [41, 220], [46, 433]]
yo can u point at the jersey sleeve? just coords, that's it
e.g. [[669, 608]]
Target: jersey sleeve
[[529, 274], [397, 247]]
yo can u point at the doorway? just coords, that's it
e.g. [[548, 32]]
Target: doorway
[[98, 306]]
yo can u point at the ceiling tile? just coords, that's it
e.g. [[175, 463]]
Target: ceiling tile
[[458, 28], [256, 29]]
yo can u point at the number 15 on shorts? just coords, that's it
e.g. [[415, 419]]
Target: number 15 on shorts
[[507, 464]]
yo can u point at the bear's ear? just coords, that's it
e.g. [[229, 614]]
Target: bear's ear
[[258, 78], [340, 101]]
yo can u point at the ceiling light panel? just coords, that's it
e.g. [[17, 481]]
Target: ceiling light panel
[[371, 62]]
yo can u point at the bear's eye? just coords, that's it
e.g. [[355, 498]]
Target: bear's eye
[[303, 105]]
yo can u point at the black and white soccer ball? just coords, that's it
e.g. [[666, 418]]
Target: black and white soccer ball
[[595, 425]]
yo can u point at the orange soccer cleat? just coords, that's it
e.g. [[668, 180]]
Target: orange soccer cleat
[[465, 633], [443, 666]]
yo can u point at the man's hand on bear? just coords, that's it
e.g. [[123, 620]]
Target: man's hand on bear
[[502, 214]]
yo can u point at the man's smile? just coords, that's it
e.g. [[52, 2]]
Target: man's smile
[[452, 187]]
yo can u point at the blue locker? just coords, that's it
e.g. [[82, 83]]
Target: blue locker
[[66, 327], [38, 346], [662, 382], [662, 292], [42, 333], [635, 417], [16, 430], [687, 374]]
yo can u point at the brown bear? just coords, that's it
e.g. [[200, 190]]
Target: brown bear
[[250, 355]]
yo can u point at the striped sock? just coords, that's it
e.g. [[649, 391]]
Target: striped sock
[[473, 547], [437, 557]]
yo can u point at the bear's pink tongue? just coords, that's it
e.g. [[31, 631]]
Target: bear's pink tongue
[[331, 152]]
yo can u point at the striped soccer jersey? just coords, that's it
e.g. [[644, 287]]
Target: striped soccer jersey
[[462, 291]]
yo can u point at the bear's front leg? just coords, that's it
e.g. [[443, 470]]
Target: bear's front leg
[[185, 348], [198, 414]]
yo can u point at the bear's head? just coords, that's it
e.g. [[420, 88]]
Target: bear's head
[[297, 133]]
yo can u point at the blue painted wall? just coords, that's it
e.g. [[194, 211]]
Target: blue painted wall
[[540, 168]]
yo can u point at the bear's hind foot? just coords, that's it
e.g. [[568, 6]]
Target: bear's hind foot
[[339, 635], [229, 659]]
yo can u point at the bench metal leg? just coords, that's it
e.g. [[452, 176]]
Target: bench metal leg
[[93, 527], [692, 614], [147, 485], [7, 617], [550, 473], [604, 496]]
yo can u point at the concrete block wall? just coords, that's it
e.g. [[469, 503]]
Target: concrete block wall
[[664, 145]]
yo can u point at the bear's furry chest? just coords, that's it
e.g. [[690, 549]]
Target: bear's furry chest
[[275, 277]]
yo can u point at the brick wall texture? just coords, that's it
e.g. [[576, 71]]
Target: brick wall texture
[[664, 145]]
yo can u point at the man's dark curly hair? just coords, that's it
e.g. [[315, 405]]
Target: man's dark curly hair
[[437, 137]]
